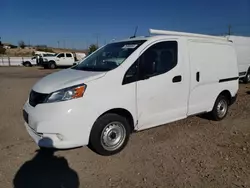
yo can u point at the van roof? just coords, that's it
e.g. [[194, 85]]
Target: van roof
[[161, 34]]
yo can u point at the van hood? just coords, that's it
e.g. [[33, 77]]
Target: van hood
[[64, 79]]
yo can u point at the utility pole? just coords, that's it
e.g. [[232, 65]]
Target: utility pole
[[97, 39], [58, 44], [229, 29]]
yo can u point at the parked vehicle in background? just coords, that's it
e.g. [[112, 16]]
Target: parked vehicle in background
[[132, 85], [62, 59], [36, 60], [30, 62], [242, 47]]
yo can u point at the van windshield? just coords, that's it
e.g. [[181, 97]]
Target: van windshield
[[109, 57]]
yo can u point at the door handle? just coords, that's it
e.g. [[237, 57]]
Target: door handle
[[177, 79], [198, 76]]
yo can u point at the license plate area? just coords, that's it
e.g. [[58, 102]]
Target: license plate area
[[25, 116]]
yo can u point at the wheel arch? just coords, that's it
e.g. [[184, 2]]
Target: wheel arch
[[52, 61], [122, 112], [228, 95]]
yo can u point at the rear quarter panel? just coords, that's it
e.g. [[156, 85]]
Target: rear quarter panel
[[215, 61]]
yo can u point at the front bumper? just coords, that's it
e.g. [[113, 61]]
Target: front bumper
[[58, 125]]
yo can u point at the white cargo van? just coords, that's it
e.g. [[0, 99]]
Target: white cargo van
[[242, 47], [132, 85]]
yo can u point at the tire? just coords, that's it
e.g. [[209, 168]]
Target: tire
[[246, 80], [110, 134], [52, 65], [220, 108], [27, 64]]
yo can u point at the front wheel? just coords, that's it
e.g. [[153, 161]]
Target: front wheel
[[52, 65], [246, 80], [220, 108], [109, 135]]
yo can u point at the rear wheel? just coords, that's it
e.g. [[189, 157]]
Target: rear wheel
[[27, 64], [109, 134], [246, 80], [220, 108]]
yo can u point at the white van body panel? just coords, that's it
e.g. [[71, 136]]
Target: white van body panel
[[159, 100], [151, 102], [213, 61], [64, 79], [242, 47]]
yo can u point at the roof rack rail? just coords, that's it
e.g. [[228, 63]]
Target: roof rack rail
[[165, 32]]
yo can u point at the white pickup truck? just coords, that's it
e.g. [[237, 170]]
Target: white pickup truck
[[62, 59]]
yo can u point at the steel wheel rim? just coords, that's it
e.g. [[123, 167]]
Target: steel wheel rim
[[113, 136], [222, 108]]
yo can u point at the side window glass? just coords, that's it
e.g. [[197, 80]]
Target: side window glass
[[131, 74], [60, 55], [68, 55], [158, 59]]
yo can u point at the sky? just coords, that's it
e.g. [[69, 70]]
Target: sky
[[78, 23]]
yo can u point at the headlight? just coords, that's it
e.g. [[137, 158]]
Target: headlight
[[45, 59], [66, 94]]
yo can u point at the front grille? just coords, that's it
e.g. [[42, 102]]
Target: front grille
[[37, 98]]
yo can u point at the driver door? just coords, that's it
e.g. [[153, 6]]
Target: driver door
[[162, 89], [60, 59]]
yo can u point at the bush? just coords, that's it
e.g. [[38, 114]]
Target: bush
[[92, 48], [21, 44]]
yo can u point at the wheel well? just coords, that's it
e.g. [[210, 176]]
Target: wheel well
[[124, 113], [52, 61], [227, 94]]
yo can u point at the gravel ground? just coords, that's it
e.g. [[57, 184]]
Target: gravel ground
[[194, 152]]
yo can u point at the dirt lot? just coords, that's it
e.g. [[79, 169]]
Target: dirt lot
[[194, 152]]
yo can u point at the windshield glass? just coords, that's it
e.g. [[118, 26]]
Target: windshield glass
[[109, 57]]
